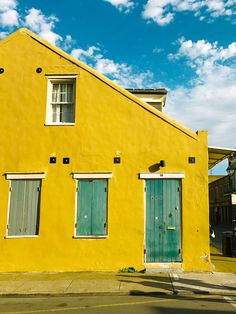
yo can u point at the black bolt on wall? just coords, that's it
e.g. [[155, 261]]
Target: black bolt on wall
[[53, 160], [39, 70], [191, 160], [66, 160], [116, 160]]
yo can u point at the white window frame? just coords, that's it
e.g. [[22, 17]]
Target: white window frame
[[162, 175], [21, 175], [59, 79], [92, 175], [14, 176]]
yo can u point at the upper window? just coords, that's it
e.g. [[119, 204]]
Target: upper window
[[61, 101]]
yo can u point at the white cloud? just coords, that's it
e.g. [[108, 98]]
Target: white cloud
[[34, 19], [121, 73], [3, 34], [84, 55], [122, 5], [42, 25], [209, 102], [163, 12], [9, 16], [6, 5]]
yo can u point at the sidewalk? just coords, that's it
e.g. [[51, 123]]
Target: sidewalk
[[221, 280], [116, 284]]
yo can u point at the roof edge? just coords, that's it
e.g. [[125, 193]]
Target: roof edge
[[103, 78]]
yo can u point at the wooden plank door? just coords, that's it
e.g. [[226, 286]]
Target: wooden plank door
[[163, 220]]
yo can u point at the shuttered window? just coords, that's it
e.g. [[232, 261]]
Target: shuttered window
[[24, 207], [91, 207]]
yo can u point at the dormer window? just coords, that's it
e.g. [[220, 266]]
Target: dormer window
[[61, 101]]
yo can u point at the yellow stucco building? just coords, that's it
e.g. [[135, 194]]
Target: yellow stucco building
[[92, 177]]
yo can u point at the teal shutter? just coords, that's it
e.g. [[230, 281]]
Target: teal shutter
[[84, 207], [91, 207], [171, 217], [99, 204], [24, 207], [163, 220], [154, 217]]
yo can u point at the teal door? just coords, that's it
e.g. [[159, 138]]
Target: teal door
[[163, 220], [91, 208]]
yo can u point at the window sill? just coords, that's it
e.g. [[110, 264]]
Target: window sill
[[21, 237], [91, 237], [59, 124]]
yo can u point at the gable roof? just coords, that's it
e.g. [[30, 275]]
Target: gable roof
[[103, 78]]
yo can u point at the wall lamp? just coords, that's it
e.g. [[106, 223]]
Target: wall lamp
[[162, 163], [157, 166]]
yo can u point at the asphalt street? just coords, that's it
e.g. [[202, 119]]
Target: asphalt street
[[168, 304]]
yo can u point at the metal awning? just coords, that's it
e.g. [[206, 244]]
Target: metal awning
[[217, 154]]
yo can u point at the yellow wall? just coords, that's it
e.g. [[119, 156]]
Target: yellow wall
[[107, 120]]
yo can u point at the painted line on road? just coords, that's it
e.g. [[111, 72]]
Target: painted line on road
[[231, 301], [87, 307]]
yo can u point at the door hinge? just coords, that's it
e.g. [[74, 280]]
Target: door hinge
[[145, 189], [145, 251], [76, 225], [179, 251], [10, 188], [105, 225], [105, 189]]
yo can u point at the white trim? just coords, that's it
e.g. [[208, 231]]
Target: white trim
[[59, 124], [90, 236], [51, 80], [160, 265], [145, 216], [162, 175], [8, 208], [21, 175], [222, 148], [62, 77], [76, 207], [92, 175]]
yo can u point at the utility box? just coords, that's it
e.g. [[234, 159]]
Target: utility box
[[227, 243]]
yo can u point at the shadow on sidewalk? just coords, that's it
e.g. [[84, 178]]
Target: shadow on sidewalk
[[191, 285]]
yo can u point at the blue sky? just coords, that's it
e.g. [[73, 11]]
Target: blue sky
[[185, 46]]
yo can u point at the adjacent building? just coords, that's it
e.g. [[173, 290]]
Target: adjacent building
[[222, 195]]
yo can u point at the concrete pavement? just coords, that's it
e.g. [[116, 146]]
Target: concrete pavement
[[116, 284], [221, 280]]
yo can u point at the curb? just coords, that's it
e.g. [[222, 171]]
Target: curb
[[75, 294], [127, 293]]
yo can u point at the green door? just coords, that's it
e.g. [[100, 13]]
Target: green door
[[91, 207], [163, 229]]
